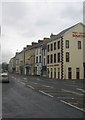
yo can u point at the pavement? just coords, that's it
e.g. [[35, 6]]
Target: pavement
[[37, 97]]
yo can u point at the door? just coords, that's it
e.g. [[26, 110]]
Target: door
[[77, 73], [69, 73], [84, 72]]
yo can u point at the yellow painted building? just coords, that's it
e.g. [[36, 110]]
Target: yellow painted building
[[66, 54], [30, 59]]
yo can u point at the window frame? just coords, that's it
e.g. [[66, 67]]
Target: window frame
[[67, 57], [67, 43]]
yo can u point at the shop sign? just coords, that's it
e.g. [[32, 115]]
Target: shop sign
[[78, 34]]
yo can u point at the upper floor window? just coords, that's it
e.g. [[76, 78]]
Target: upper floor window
[[51, 47], [51, 58], [54, 45], [58, 57], [79, 44], [36, 51], [54, 58], [40, 50], [48, 48], [67, 56], [48, 59], [58, 44], [40, 59], [36, 59], [44, 52], [67, 43], [44, 61]]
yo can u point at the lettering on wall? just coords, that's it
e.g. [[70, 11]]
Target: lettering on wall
[[78, 34]]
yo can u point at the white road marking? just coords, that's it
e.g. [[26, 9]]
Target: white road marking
[[30, 87], [65, 98], [80, 89], [72, 92], [47, 86], [22, 83], [25, 78], [13, 77], [34, 83], [45, 93], [38, 79], [72, 105]]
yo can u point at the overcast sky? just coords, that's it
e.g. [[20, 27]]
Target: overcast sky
[[25, 22]]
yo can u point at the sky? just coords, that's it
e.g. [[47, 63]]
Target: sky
[[26, 21]]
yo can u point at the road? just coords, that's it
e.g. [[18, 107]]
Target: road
[[37, 97]]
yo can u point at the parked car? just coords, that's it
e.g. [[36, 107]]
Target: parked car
[[4, 77]]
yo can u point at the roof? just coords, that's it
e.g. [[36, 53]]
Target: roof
[[64, 31]]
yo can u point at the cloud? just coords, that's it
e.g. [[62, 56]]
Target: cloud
[[24, 22]]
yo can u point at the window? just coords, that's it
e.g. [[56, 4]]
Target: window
[[40, 59], [36, 59], [54, 72], [51, 59], [36, 51], [67, 56], [51, 72], [69, 73], [44, 52], [58, 57], [77, 73], [67, 43], [58, 73], [17, 61], [48, 59], [40, 50], [48, 48], [54, 45], [54, 58], [84, 72], [51, 47], [44, 61], [79, 44], [58, 44]]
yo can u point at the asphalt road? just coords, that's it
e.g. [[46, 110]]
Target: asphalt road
[[37, 97]]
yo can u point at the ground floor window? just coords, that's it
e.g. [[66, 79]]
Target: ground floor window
[[58, 73], [51, 72], [69, 73], [54, 72], [77, 73]]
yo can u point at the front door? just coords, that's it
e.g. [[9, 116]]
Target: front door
[[27, 70], [84, 72], [69, 73]]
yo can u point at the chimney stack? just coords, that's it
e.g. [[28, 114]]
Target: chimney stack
[[34, 43], [40, 41]]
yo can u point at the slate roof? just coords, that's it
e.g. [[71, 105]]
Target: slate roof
[[64, 31]]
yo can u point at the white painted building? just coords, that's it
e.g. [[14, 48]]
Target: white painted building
[[66, 54], [38, 58]]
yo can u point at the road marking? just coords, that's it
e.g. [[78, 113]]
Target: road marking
[[47, 86], [72, 105], [65, 98], [80, 89], [13, 77], [22, 83], [38, 79], [45, 93], [34, 83], [30, 87], [72, 92], [25, 78]]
